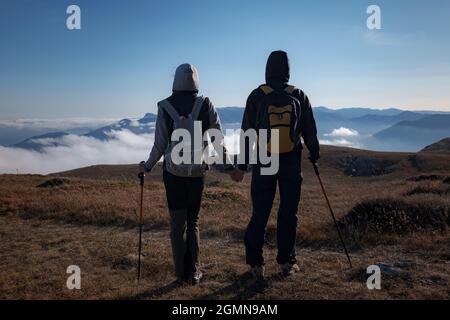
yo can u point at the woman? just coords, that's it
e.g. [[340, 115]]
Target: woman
[[183, 182]]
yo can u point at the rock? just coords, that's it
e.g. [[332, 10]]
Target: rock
[[392, 271], [56, 182], [405, 264]]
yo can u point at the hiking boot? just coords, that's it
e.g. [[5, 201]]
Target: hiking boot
[[258, 272], [180, 281], [196, 277], [289, 269]]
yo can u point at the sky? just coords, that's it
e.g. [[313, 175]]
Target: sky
[[123, 59]]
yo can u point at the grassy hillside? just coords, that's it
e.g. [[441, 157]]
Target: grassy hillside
[[88, 217], [442, 146]]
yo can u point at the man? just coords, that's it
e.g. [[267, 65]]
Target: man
[[183, 182], [292, 115]]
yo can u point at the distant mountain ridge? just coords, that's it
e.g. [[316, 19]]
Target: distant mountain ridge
[[389, 119], [376, 129], [145, 125], [37, 143], [420, 132], [356, 112]]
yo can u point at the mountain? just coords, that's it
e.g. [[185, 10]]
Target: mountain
[[388, 118], [350, 113], [14, 131], [37, 143], [145, 125], [442, 146], [230, 115], [415, 135], [431, 122], [384, 130]]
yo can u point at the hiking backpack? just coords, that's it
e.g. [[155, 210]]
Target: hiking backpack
[[191, 169], [279, 109]]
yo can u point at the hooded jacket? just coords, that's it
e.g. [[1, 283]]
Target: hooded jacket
[[185, 91], [277, 76]]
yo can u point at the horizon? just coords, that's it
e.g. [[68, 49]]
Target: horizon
[[124, 116], [124, 56]]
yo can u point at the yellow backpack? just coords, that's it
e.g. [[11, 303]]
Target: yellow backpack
[[279, 109]]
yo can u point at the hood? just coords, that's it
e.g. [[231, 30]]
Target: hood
[[277, 68], [186, 78]]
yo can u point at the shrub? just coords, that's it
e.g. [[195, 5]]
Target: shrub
[[392, 216]]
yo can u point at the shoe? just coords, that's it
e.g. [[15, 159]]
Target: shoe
[[180, 281], [258, 272], [196, 277], [289, 269]]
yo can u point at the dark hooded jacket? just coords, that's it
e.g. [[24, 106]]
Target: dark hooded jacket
[[277, 76]]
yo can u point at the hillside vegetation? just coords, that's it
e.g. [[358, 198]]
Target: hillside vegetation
[[392, 207]]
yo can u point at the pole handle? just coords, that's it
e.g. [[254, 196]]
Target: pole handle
[[141, 178], [316, 168], [141, 175]]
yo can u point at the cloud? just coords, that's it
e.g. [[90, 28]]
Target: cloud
[[231, 140], [77, 151], [344, 137], [343, 132], [340, 143], [73, 151], [57, 124]]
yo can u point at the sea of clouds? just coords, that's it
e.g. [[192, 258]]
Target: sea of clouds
[[73, 151]]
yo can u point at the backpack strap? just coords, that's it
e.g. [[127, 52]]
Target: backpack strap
[[197, 107], [165, 104], [266, 89], [290, 89]]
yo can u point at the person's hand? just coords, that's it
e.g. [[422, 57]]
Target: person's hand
[[313, 159], [141, 167]]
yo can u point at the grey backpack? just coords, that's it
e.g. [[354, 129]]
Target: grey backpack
[[195, 167]]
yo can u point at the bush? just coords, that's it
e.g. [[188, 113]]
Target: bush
[[391, 216]]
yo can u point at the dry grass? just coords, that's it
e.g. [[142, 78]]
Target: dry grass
[[90, 221]]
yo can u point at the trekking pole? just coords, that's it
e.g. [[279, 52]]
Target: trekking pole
[[316, 170], [141, 178]]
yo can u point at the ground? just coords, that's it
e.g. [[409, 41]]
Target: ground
[[89, 218]]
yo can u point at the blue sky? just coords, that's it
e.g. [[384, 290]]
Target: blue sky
[[123, 59]]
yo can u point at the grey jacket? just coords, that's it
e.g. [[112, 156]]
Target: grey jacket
[[183, 102]]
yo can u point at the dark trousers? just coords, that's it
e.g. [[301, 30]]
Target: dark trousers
[[184, 196], [263, 189]]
